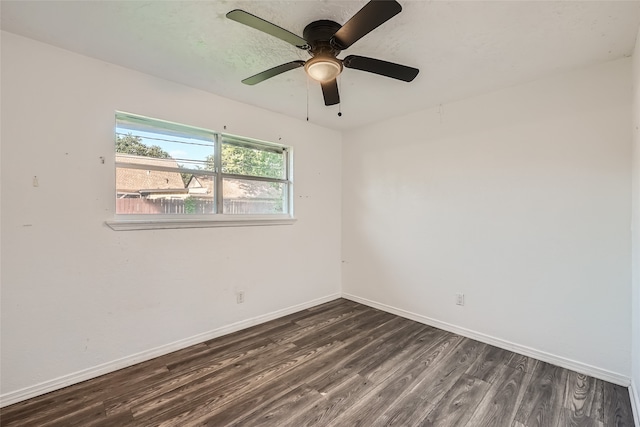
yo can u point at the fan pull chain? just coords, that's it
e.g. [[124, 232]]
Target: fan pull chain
[[307, 98], [339, 91]]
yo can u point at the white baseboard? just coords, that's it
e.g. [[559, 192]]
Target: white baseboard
[[93, 372], [563, 362], [634, 394]]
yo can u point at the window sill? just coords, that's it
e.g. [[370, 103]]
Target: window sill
[[128, 224]]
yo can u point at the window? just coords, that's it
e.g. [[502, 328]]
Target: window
[[167, 173]]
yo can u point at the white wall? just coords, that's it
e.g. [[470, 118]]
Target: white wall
[[76, 294], [518, 198], [635, 229]]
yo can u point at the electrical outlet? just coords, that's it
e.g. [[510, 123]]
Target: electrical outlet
[[240, 297], [459, 298]]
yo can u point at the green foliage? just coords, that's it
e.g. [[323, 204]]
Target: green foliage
[[247, 161], [189, 205], [211, 163], [130, 144]]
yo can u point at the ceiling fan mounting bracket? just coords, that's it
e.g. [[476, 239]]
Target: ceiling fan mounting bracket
[[318, 34]]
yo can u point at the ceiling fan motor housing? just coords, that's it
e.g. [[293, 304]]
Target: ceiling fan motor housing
[[318, 34]]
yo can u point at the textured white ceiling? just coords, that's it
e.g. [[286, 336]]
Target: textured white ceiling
[[461, 48]]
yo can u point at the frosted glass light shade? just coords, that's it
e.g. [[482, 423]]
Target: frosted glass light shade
[[323, 69]]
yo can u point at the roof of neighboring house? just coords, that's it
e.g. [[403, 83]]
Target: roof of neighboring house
[[203, 182], [133, 180], [236, 188], [244, 189]]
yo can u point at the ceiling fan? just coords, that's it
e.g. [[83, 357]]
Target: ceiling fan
[[324, 40]]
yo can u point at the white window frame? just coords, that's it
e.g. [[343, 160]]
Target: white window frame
[[124, 222]]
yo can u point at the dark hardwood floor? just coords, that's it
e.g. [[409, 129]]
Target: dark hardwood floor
[[338, 364]]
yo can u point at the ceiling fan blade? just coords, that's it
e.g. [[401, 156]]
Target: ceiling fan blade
[[370, 17], [272, 72], [378, 66], [266, 27], [330, 92]]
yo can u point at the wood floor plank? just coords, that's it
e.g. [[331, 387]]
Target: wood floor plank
[[330, 316], [281, 411], [316, 326], [370, 410], [79, 417], [334, 402], [215, 390], [253, 396], [318, 368], [71, 415], [499, 406], [443, 367], [583, 397], [364, 352], [368, 378], [205, 356], [543, 401], [215, 374], [192, 392], [458, 404], [247, 335], [617, 406], [343, 329], [489, 364], [88, 392], [336, 364], [51, 404], [408, 349], [522, 363], [226, 411], [121, 419], [569, 418]]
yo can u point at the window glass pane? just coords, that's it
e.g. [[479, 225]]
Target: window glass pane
[[244, 196], [135, 123], [149, 191], [244, 160], [180, 151]]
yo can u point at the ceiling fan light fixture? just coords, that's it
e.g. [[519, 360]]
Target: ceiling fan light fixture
[[323, 68]]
